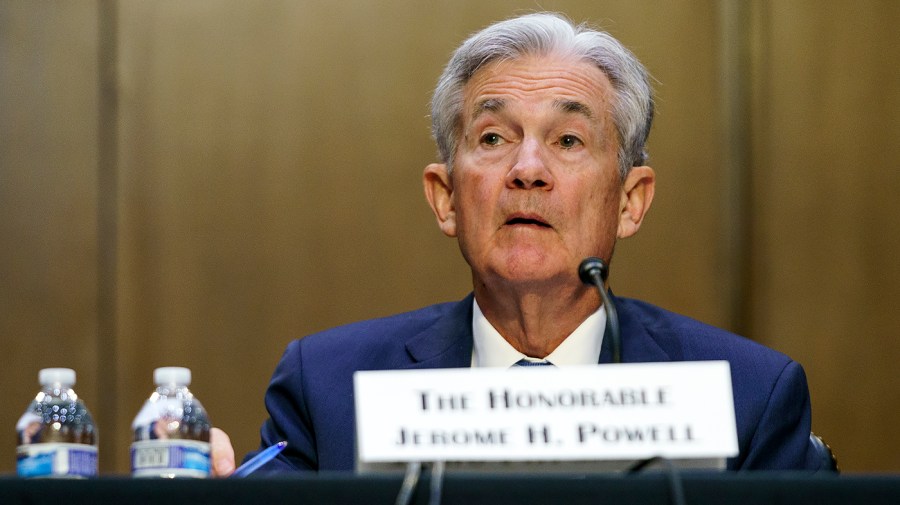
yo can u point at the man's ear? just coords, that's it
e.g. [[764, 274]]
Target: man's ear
[[637, 195], [439, 192]]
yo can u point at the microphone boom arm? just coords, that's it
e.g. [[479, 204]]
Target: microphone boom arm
[[594, 271]]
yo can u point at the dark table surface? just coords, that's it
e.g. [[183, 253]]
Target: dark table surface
[[468, 489]]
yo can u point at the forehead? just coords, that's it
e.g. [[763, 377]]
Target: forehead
[[536, 80]]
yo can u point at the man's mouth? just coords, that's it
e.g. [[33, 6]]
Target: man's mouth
[[527, 220]]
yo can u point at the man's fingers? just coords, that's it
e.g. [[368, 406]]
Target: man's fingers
[[221, 453]]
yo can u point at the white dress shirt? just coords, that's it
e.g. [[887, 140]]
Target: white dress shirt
[[581, 347]]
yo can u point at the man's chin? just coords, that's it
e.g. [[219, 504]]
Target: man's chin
[[533, 271]]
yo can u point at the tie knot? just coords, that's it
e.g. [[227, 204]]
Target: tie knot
[[525, 362]]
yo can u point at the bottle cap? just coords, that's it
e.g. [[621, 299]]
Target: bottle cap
[[177, 375], [50, 376]]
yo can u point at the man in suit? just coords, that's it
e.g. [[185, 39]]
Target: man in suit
[[541, 127]]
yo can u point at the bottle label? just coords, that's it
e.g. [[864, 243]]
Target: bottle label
[[56, 460], [170, 458]]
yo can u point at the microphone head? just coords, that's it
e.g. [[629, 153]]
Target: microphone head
[[590, 267]]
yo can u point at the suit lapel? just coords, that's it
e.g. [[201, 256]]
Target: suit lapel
[[447, 343], [638, 346]]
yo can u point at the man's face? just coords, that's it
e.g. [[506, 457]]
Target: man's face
[[535, 186]]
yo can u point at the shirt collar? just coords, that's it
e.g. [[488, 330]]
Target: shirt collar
[[581, 347]]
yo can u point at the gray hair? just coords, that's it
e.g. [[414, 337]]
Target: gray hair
[[542, 34]]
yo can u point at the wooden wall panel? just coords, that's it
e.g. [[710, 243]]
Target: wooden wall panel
[[826, 212], [270, 188], [48, 204]]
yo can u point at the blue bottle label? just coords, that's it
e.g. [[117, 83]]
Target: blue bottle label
[[56, 460], [170, 458]]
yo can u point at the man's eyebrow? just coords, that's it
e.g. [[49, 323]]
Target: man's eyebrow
[[488, 105], [574, 107]]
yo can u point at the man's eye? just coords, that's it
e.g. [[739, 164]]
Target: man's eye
[[491, 139], [569, 141]]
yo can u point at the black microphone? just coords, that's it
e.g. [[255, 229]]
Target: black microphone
[[594, 271]]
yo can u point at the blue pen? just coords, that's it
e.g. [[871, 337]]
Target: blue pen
[[268, 454]]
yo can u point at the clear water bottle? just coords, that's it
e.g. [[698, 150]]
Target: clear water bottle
[[56, 434], [171, 432]]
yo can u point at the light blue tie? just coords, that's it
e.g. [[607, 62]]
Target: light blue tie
[[525, 362]]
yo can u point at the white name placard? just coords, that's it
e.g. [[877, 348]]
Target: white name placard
[[680, 410]]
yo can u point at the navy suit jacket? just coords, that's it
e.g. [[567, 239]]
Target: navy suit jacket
[[310, 398]]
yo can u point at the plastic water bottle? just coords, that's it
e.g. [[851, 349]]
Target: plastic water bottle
[[56, 434], [171, 432]]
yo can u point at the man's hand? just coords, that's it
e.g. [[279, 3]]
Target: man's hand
[[221, 453]]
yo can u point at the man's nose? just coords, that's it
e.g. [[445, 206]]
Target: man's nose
[[529, 170]]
